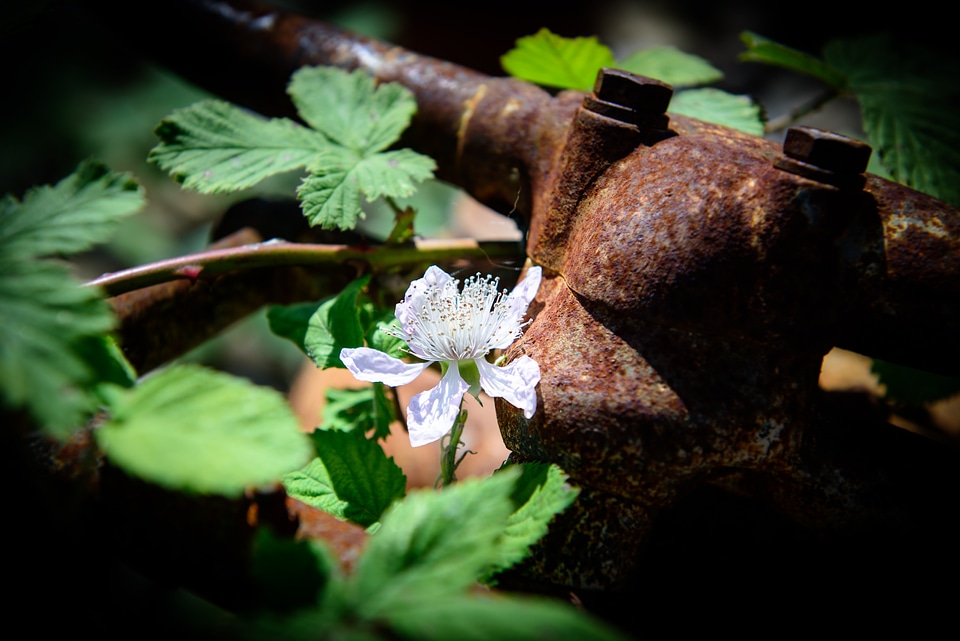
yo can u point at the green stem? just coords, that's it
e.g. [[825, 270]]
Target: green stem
[[448, 458], [281, 253], [401, 415], [402, 230]]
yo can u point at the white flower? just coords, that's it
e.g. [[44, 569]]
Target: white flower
[[442, 324]]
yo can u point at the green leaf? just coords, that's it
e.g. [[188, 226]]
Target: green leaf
[[672, 66], [193, 429], [908, 97], [347, 109], [45, 318], [554, 61], [216, 147], [54, 360], [351, 478], [379, 339], [433, 544], [393, 173], [335, 325], [478, 618], [292, 321], [114, 371], [719, 107], [322, 331], [359, 410], [347, 410], [911, 386], [80, 211], [541, 493], [289, 575], [330, 195], [764, 50]]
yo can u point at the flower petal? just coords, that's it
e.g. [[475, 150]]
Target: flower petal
[[518, 301], [430, 414], [434, 277], [526, 290], [413, 299], [376, 367], [516, 382]]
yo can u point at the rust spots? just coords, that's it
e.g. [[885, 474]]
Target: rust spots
[[469, 106], [697, 288], [509, 107], [344, 539]]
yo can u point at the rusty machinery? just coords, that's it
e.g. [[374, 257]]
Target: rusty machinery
[[697, 276]]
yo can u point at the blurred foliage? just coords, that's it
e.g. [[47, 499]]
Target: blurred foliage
[[55, 358], [194, 429]]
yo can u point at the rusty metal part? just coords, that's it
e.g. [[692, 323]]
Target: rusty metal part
[[680, 341], [622, 114], [827, 150], [697, 290], [904, 279], [161, 322], [697, 276], [344, 539], [630, 98], [825, 157]]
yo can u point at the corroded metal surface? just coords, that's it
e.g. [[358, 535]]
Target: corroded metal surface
[[906, 257], [699, 283], [697, 277], [153, 326]]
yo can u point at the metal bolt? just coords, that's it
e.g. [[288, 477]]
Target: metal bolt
[[824, 156], [827, 150], [632, 91], [632, 99]]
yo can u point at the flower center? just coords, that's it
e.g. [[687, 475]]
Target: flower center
[[452, 325]]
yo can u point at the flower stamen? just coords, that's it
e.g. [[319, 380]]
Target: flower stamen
[[440, 322]]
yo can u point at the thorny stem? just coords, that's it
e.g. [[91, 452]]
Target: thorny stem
[[281, 253], [799, 112], [451, 444]]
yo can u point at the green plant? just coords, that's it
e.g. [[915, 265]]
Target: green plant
[[193, 430]]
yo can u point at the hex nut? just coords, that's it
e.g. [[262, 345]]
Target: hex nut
[[827, 150], [632, 91]]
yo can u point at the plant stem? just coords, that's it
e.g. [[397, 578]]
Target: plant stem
[[281, 253], [448, 458], [402, 231], [401, 415]]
